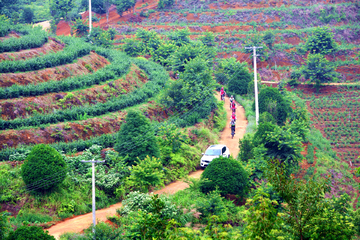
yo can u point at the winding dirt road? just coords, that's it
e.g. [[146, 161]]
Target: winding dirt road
[[79, 223]]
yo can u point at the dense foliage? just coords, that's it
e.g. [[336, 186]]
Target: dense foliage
[[271, 100], [30, 233], [227, 175], [130, 140], [321, 41], [43, 162]]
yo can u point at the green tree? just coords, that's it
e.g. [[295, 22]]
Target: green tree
[[133, 47], [261, 216], [136, 139], [163, 52], [27, 15], [271, 100], [318, 70], [61, 8], [165, 4], [246, 147], [3, 224], [208, 39], [124, 5], [146, 174], [80, 27], [43, 162], [321, 41], [257, 41], [239, 79], [269, 39], [227, 175], [30, 233], [180, 36], [194, 85], [303, 200]]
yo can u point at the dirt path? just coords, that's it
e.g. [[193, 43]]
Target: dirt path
[[79, 223]]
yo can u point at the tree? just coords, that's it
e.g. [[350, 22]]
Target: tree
[[180, 36], [136, 139], [227, 174], [271, 100], [79, 27], [30, 233], [239, 79], [147, 173], [124, 5], [261, 216], [194, 85], [43, 162], [163, 52], [318, 70], [208, 39], [304, 200], [61, 8], [27, 15], [246, 147], [98, 6], [269, 39], [321, 41], [165, 4], [190, 51], [133, 47]]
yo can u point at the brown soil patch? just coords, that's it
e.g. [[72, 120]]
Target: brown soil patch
[[25, 107], [93, 60], [52, 45]]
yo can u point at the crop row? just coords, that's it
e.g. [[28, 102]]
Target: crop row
[[34, 37], [120, 63], [74, 49], [334, 103], [349, 115], [158, 79]]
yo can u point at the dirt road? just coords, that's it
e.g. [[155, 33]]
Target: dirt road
[[79, 223]]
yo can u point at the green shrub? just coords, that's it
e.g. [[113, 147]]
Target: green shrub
[[227, 175], [266, 117], [321, 41], [30, 233], [271, 100], [130, 141], [246, 147], [43, 162], [165, 4], [310, 154], [27, 15]]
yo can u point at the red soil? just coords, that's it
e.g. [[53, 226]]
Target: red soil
[[25, 107], [10, 35], [52, 45], [93, 60]]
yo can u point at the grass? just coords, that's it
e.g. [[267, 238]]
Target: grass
[[249, 112]]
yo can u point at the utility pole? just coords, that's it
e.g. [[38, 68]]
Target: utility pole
[[93, 191], [90, 17], [255, 84]]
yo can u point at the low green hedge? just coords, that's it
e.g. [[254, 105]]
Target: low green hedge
[[120, 63], [34, 37], [75, 48]]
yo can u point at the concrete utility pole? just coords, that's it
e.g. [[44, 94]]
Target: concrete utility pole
[[255, 85], [93, 191], [90, 17]]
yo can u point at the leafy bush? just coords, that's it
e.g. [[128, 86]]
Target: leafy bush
[[43, 162], [28, 15], [246, 147], [239, 80], [271, 100], [130, 140], [30, 233], [165, 4], [227, 174], [310, 154], [321, 41], [133, 47]]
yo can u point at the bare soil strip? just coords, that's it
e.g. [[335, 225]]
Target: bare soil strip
[[79, 223]]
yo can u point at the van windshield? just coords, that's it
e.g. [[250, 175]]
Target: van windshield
[[213, 152]]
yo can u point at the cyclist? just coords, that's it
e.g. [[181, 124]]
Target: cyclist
[[233, 107], [222, 93], [231, 100], [232, 126], [233, 117]]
